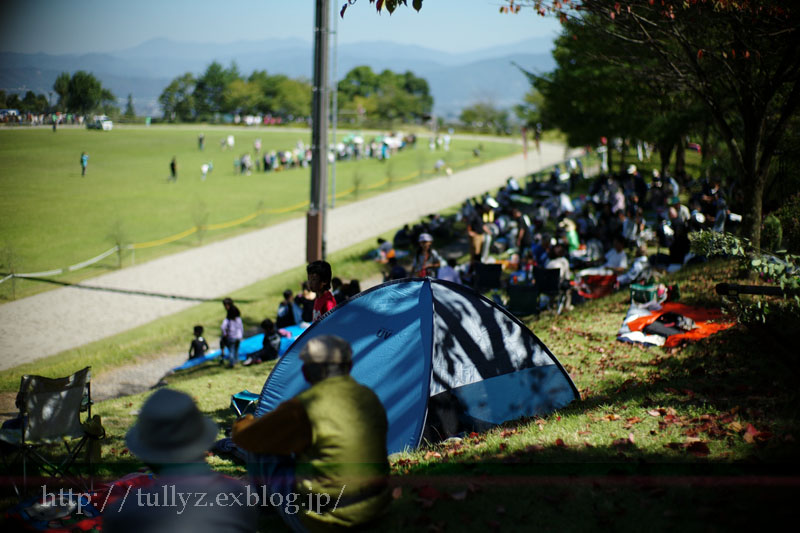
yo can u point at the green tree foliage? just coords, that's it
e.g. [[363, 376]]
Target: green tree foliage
[[177, 99], [82, 93], [530, 110], [61, 88], [292, 98], [209, 92], [741, 59], [34, 103], [13, 101], [387, 96], [221, 90], [777, 269], [483, 116]]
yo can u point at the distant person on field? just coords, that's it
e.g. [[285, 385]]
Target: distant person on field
[[232, 332], [319, 281], [205, 168], [84, 163], [171, 436], [201, 142], [199, 345], [326, 446], [173, 170]]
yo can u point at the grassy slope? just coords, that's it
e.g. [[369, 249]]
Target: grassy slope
[[55, 218], [671, 436]]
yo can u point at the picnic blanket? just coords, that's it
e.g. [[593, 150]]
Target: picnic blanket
[[595, 282], [634, 328], [247, 347]]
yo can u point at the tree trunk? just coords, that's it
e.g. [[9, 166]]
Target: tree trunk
[[680, 162], [752, 219], [665, 153], [622, 158], [609, 151]]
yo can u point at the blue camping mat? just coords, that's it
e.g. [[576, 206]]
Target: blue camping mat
[[247, 347]]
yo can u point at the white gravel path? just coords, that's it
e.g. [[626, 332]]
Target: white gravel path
[[65, 318]]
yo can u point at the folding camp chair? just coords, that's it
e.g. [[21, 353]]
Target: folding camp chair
[[49, 414], [523, 300], [487, 276], [548, 282]]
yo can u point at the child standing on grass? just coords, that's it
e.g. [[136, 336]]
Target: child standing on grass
[[232, 332], [199, 345], [84, 163], [319, 281]]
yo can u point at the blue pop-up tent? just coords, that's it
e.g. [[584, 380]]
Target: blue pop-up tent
[[441, 358]]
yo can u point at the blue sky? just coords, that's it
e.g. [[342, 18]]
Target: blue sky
[[81, 26]]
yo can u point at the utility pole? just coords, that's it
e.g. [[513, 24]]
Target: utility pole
[[315, 235], [335, 104]]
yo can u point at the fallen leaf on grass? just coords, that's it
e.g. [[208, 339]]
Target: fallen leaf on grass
[[431, 454], [752, 435], [611, 417], [560, 443], [657, 412], [629, 422]]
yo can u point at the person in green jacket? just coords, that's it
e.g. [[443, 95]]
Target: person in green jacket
[[336, 431]]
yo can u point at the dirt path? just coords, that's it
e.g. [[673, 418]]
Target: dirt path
[[47, 323]]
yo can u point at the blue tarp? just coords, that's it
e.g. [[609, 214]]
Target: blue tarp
[[418, 339], [248, 346]]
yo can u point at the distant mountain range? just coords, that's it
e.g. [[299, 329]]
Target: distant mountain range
[[456, 80]]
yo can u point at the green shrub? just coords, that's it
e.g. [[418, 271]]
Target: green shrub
[[789, 217], [771, 234]]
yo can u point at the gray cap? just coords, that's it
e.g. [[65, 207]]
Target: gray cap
[[326, 349]]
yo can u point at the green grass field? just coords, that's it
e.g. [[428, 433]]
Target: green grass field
[[55, 218]]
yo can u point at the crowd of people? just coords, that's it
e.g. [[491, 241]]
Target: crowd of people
[[611, 227], [353, 147]]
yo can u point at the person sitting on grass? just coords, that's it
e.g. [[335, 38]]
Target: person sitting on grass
[[640, 269], [326, 446], [171, 436], [289, 313], [616, 260], [396, 271], [269, 346], [319, 281], [199, 345]]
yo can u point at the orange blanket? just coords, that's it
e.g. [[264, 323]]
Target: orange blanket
[[708, 322]]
